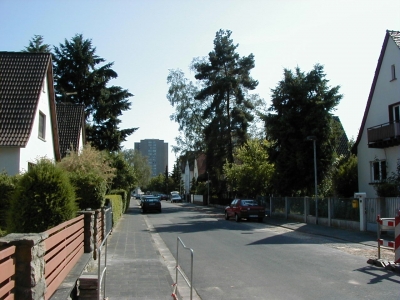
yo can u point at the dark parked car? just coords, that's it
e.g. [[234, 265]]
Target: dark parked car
[[163, 197], [151, 204], [245, 209]]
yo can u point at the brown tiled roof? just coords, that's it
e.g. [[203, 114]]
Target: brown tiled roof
[[70, 119], [21, 79]]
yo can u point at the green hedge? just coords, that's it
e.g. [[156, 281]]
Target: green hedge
[[90, 189], [124, 196], [7, 188], [117, 206]]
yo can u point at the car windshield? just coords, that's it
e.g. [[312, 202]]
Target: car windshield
[[249, 203], [176, 196]]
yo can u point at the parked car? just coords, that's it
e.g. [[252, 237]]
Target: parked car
[[175, 198], [245, 209], [163, 197], [151, 204]]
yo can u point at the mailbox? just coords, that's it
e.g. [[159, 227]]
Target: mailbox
[[354, 203]]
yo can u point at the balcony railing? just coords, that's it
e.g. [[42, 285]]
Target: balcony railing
[[384, 135]]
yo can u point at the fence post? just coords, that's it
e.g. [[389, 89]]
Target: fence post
[[270, 206], [88, 222], [329, 211], [286, 208], [30, 282], [305, 209]]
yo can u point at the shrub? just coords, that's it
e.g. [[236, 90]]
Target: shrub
[[116, 203], [124, 196], [7, 187], [43, 198], [91, 174]]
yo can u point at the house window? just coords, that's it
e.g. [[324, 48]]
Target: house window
[[378, 170], [42, 125], [393, 72]]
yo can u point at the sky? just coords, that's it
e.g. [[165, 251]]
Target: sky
[[147, 38]]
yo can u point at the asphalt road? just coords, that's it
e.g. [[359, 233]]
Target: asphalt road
[[249, 260]]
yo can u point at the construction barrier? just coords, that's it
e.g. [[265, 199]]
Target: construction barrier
[[390, 224]]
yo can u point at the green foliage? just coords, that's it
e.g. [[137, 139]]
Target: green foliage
[[125, 198], [7, 188], [345, 180], [157, 184], [251, 173], [117, 206], [301, 107], [76, 69], [36, 45], [391, 186], [125, 178], [43, 198], [91, 173], [141, 167], [188, 112]]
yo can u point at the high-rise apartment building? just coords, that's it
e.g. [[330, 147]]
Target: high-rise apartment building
[[156, 152]]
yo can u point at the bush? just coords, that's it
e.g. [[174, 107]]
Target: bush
[[91, 174], [7, 187], [124, 196], [116, 203], [43, 198], [90, 190]]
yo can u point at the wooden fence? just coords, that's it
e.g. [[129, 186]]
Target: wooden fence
[[7, 274], [64, 247]]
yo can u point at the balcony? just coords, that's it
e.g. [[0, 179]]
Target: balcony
[[384, 135]]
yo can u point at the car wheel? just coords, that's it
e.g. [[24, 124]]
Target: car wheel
[[143, 211], [226, 216], [159, 211], [237, 218], [260, 220]]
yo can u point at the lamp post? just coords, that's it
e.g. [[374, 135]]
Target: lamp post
[[313, 138], [208, 189]]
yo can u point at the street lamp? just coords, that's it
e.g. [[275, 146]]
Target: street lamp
[[314, 138], [208, 189]]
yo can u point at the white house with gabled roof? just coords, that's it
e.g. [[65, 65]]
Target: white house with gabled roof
[[378, 141]]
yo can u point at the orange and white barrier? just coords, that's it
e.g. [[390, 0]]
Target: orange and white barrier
[[390, 224]]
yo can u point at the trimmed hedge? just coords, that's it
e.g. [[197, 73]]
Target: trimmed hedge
[[124, 196], [117, 206], [7, 188]]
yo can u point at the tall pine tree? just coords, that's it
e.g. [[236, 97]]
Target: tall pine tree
[[226, 80]]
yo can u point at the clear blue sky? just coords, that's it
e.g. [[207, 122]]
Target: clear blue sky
[[146, 38]]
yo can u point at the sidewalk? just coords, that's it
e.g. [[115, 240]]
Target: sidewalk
[[135, 268]]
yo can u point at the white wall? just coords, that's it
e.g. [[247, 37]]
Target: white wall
[[386, 92], [36, 147]]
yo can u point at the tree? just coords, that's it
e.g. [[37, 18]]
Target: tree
[[80, 79], [125, 177], [188, 112], [251, 173], [140, 166], [36, 45], [226, 81], [301, 107], [345, 180]]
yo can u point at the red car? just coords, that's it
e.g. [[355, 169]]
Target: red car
[[245, 209]]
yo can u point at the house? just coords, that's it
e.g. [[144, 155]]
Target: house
[[378, 142], [192, 166], [28, 127], [71, 125]]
